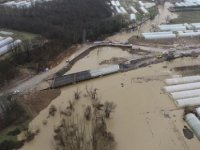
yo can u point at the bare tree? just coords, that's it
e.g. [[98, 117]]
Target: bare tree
[[92, 93], [77, 94], [108, 108], [88, 113]]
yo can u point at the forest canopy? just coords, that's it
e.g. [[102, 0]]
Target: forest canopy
[[62, 22], [66, 20]]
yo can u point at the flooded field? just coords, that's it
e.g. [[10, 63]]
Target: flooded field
[[101, 57], [145, 117]]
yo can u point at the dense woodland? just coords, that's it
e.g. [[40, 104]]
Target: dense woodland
[[62, 22]]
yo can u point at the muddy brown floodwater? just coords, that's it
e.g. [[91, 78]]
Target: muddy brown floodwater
[[145, 117], [95, 58]]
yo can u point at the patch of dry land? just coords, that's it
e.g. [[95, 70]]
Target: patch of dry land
[[145, 117]]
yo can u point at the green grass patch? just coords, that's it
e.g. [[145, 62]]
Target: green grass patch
[[153, 11], [139, 17], [187, 17], [4, 133]]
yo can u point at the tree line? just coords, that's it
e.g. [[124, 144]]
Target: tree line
[[62, 23], [65, 20]]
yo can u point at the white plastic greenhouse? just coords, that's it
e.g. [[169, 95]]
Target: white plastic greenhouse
[[133, 10], [7, 47], [185, 94], [188, 33], [198, 111], [141, 3], [6, 41], [113, 3], [123, 10], [194, 123], [104, 71], [182, 80], [158, 35], [144, 10], [118, 10], [118, 3], [188, 102], [182, 87], [177, 27]]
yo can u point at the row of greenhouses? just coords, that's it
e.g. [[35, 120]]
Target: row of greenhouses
[[169, 31], [179, 27], [185, 91], [188, 3], [23, 3], [132, 9]]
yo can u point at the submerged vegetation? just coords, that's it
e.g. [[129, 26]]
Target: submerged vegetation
[[87, 131], [75, 134]]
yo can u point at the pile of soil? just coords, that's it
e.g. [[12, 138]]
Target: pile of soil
[[114, 60], [188, 70]]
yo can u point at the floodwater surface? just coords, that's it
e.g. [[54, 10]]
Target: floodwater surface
[[145, 117]]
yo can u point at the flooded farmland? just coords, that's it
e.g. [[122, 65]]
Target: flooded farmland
[[101, 57], [144, 118]]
